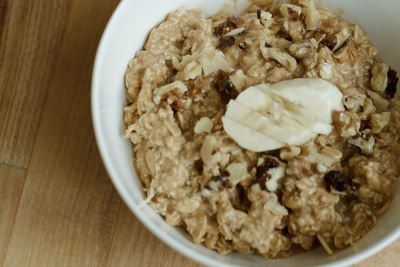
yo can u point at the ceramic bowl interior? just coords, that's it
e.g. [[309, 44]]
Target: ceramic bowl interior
[[126, 33]]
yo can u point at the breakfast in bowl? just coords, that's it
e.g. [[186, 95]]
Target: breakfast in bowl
[[267, 133]]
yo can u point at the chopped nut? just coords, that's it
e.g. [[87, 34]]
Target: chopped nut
[[288, 153], [391, 88], [379, 121], [165, 91], [379, 79], [337, 181], [312, 16], [207, 151], [198, 166], [381, 103], [237, 171], [264, 17], [235, 32], [305, 51], [332, 152], [367, 109], [282, 57], [346, 123], [354, 99], [192, 71], [213, 60], [238, 79], [230, 24], [291, 12], [366, 145], [204, 125], [341, 39], [223, 180]]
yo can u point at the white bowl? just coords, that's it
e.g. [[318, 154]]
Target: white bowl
[[126, 33]]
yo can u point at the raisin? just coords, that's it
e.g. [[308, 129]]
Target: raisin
[[267, 45], [234, 22], [244, 203], [226, 42], [259, 13], [230, 24], [223, 180], [365, 125], [285, 231], [391, 88], [198, 166], [262, 172], [225, 87], [337, 181], [330, 42]]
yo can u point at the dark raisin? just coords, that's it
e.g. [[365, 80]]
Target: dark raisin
[[244, 203], [234, 22], [223, 180], [365, 125], [285, 231], [337, 181], [221, 29], [330, 42], [225, 87], [293, 15], [263, 184], [391, 88], [259, 13], [267, 45], [285, 35], [198, 166], [230, 24], [226, 42], [262, 171]]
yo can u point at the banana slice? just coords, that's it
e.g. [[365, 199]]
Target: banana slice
[[249, 138], [285, 131], [267, 117], [317, 96]]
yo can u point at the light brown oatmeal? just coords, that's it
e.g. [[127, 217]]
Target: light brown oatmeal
[[328, 191]]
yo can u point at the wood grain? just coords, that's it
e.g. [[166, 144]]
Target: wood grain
[[57, 204], [145, 249], [11, 183]]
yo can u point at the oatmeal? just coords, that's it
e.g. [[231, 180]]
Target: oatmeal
[[327, 189]]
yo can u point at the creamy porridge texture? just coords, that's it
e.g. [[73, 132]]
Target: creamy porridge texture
[[327, 191]]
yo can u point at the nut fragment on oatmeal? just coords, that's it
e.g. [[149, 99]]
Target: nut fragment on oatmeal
[[290, 11], [379, 121], [266, 133], [379, 80], [165, 91], [204, 125], [280, 56]]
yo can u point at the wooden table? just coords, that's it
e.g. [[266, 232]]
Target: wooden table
[[57, 204]]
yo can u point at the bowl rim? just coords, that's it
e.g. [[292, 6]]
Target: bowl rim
[[146, 221]]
